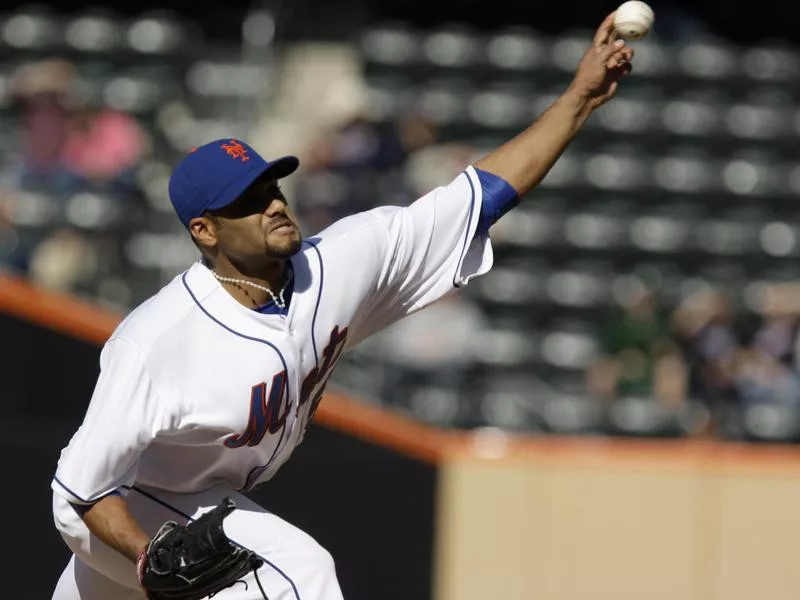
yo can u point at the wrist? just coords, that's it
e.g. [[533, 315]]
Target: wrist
[[577, 100]]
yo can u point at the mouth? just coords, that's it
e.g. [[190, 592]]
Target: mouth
[[283, 227]]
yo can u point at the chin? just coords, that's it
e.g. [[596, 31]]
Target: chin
[[285, 249]]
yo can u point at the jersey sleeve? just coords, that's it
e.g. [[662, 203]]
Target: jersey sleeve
[[401, 259], [122, 419]]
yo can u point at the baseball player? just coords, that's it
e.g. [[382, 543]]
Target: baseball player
[[207, 387]]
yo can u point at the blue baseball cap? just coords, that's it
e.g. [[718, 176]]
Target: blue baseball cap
[[215, 174]]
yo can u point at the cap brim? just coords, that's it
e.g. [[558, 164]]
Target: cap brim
[[278, 168], [282, 167]]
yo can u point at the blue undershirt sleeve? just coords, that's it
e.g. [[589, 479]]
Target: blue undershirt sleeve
[[498, 198]]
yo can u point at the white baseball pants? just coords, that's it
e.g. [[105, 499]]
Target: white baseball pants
[[295, 566]]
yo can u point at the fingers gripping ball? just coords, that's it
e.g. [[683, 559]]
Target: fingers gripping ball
[[633, 20], [194, 561]]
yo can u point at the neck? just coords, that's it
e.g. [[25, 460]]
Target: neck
[[271, 275]]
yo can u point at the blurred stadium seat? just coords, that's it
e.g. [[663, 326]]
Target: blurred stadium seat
[[35, 29], [517, 49], [94, 31]]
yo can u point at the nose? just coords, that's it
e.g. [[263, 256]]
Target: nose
[[276, 208]]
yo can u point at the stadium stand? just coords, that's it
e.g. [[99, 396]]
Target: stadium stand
[[681, 190]]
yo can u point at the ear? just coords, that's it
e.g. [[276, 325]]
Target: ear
[[204, 232]]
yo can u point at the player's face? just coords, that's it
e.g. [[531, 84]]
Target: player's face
[[258, 225]]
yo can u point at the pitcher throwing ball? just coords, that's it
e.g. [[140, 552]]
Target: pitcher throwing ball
[[207, 387]]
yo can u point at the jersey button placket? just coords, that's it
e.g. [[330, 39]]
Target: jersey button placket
[[298, 365]]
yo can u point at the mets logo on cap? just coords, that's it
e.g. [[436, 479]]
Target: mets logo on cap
[[235, 150]]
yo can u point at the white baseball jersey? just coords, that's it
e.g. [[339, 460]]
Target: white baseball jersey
[[196, 389]]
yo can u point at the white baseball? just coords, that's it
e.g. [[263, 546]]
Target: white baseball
[[633, 20]]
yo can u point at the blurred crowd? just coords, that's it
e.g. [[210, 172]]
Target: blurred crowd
[[365, 162], [62, 143], [68, 142], [702, 350]]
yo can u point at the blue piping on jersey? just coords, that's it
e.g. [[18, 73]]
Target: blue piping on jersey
[[189, 518], [466, 235], [82, 509], [59, 482], [498, 198], [319, 298], [261, 468]]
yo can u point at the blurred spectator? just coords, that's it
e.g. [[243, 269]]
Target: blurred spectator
[[40, 92], [65, 145], [761, 379], [705, 323], [63, 261], [779, 305], [362, 143], [766, 373], [776, 337], [357, 167], [104, 146], [639, 358]]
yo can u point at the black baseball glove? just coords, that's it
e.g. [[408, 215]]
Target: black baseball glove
[[190, 562]]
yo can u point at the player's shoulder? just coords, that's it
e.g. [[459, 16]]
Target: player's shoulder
[[383, 219], [146, 324], [355, 227]]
